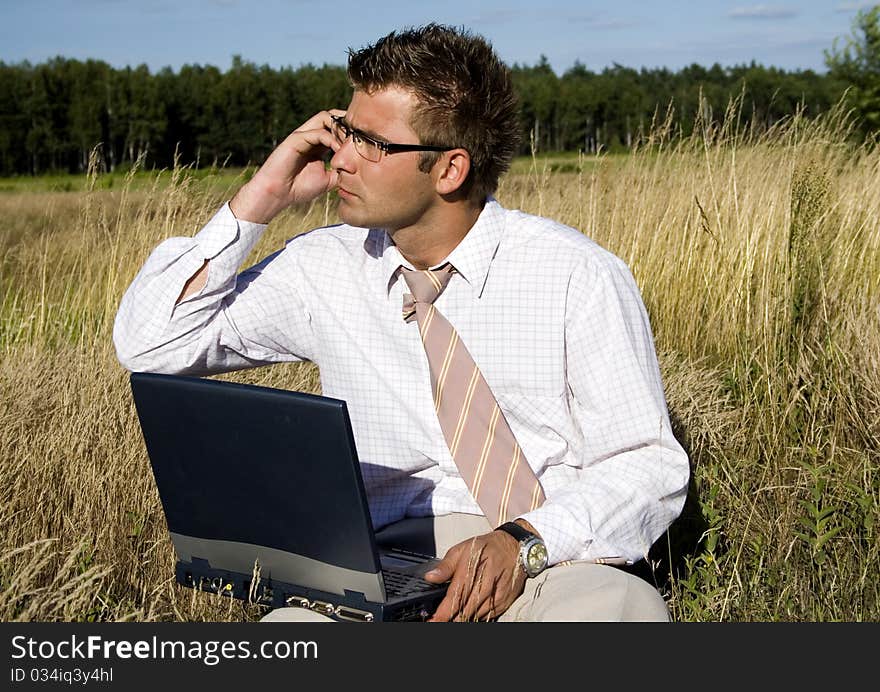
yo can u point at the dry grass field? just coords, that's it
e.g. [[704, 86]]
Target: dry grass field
[[759, 260]]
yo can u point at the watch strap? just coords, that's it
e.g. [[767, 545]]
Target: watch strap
[[517, 531]]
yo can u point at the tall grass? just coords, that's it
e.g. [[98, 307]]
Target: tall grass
[[758, 255]]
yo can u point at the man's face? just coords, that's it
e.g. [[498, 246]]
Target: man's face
[[391, 193]]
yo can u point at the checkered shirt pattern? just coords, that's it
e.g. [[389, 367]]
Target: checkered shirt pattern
[[554, 322]]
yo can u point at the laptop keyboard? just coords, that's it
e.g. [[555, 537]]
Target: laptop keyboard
[[402, 584]]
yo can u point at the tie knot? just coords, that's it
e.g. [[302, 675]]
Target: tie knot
[[427, 284]]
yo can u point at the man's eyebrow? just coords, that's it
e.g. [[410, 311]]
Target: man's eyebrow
[[367, 133]]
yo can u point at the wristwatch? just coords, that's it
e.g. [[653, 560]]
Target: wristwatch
[[532, 551]]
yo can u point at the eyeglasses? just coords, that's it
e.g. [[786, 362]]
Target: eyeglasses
[[372, 149]]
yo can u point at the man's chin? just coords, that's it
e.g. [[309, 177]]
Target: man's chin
[[345, 212], [354, 217]]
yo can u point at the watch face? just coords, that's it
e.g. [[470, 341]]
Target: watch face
[[536, 558]]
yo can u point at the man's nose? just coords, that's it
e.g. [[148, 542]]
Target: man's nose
[[345, 157]]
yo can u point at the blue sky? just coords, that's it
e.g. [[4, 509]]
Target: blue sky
[[634, 33]]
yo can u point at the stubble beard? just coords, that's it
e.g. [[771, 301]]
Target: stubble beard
[[381, 218]]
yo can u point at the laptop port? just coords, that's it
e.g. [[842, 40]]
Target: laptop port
[[353, 614], [256, 592], [322, 608], [298, 602]]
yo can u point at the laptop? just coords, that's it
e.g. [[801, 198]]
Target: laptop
[[264, 499]]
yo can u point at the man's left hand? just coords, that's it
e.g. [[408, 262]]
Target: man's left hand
[[485, 578]]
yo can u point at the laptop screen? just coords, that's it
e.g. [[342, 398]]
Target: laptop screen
[[255, 465]]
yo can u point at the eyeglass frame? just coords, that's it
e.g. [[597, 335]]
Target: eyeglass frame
[[385, 147]]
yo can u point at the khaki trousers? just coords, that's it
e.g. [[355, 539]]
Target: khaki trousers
[[579, 592]]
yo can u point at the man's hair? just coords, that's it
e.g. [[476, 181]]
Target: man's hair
[[464, 96]]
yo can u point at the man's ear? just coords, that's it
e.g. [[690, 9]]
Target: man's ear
[[452, 170]]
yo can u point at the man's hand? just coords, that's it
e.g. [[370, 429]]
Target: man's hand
[[293, 173], [485, 575]]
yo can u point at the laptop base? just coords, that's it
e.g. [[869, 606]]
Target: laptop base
[[352, 607]]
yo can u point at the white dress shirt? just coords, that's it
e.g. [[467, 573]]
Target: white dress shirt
[[555, 323]]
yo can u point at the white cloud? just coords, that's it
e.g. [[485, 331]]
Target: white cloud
[[852, 6], [608, 24], [762, 12], [599, 21], [497, 16]]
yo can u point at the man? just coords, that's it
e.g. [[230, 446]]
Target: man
[[551, 330]]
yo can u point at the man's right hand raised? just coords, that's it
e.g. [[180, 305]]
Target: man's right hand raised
[[293, 173]]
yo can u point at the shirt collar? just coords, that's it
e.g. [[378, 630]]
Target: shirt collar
[[471, 257]]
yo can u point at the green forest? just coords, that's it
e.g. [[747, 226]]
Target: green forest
[[52, 115]]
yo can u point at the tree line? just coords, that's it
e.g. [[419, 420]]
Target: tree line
[[53, 114]]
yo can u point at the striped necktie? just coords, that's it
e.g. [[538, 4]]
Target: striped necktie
[[483, 446]]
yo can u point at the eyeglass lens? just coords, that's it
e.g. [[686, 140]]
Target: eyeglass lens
[[362, 146]]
